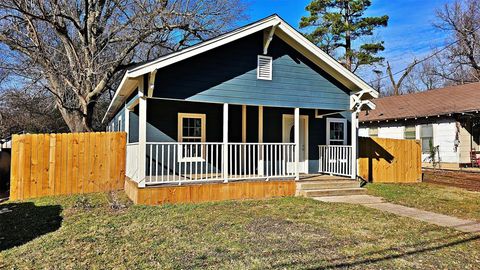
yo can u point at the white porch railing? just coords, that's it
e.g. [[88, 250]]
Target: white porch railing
[[335, 159], [132, 161], [260, 160], [193, 162]]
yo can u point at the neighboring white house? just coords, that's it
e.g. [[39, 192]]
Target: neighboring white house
[[446, 117]]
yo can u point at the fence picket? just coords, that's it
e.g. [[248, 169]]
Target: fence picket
[[56, 164]]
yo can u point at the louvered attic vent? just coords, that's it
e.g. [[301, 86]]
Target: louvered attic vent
[[264, 69]]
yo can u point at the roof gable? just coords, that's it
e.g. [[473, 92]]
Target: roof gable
[[281, 29]]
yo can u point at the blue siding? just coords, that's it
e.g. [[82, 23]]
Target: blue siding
[[229, 74]]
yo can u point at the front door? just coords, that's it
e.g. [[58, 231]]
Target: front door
[[289, 137]]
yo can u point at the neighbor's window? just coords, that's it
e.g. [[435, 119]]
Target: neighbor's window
[[373, 132], [426, 135], [336, 131], [191, 129], [410, 133]]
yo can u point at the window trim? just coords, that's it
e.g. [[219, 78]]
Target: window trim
[[203, 135], [270, 59], [337, 120]]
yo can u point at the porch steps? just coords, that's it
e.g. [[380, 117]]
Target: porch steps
[[324, 186]]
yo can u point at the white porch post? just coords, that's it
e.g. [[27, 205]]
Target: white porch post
[[142, 134], [297, 142], [225, 143], [354, 124]]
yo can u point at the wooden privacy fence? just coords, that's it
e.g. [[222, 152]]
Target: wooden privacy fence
[[56, 164], [390, 160]]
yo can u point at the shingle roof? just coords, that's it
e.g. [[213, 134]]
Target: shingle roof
[[442, 101]]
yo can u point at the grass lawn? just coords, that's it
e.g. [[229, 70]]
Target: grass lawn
[[441, 199], [85, 232]]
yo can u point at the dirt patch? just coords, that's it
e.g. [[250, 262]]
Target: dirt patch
[[461, 179]]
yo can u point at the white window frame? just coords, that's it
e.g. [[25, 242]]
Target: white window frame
[[337, 120], [270, 59], [180, 137], [113, 126]]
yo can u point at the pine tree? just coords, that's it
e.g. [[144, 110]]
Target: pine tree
[[336, 25]]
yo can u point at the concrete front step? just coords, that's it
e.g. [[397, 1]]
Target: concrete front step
[[327, 185], [332, 192]]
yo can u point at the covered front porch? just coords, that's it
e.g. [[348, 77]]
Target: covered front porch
[[172, 142]]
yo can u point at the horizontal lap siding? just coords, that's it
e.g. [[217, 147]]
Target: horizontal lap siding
[[228, 74]]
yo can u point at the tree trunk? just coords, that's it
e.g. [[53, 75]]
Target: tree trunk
[[76, 121], [348, 39]]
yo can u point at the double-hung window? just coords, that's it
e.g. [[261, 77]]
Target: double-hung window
[[192, 133], [426, 136], [373, 132], [119, 124], [336, 131], [410, 133]]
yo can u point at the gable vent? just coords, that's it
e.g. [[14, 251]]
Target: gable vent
[[264, 69]]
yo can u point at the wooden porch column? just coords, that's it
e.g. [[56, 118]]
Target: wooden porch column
[[354, 124], [142, 134], [225, 143], [127, 122], [297, 142], [260, 140]]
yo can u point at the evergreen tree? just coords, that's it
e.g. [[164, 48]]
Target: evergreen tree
[[337, 24]]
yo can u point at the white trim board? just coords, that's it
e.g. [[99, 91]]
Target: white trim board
[[283, 31]]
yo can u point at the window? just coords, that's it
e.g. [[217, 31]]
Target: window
[[264, 68], [113, 126], [336, 131], [191, 129], [426, 136], [373, 132], [410, 133], [119, 123]]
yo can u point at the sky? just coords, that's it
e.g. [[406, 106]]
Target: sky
[[410, 32]]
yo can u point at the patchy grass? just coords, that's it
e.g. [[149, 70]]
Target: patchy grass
[[85, 232], [441, 199]]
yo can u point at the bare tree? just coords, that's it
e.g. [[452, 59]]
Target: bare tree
[[424, 77], [396, 85], [461, 62], [77, 49], [377, 83], [28, 111]]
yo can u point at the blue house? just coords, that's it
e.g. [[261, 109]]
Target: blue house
[[258, 103]]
